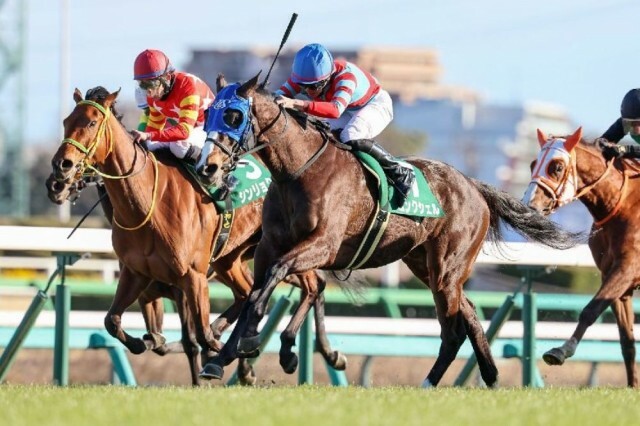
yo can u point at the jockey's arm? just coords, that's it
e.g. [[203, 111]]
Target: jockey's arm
[[187, 118], [615, 132]]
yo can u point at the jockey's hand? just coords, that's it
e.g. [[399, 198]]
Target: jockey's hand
[[139, 136], [290, 103], [611, 151]]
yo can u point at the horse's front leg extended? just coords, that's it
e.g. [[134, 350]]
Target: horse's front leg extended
[[613, 287], [130, 286], [305, 257]]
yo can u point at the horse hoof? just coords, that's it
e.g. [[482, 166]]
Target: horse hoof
[[554, 356], [154, 340], [248, 346], [211, 371], [340, 362], [249, 379], [137, 346], [289, 363]]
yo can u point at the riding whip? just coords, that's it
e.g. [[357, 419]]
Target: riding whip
[[292, 21]]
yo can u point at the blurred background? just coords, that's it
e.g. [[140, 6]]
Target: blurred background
[[471, 80]]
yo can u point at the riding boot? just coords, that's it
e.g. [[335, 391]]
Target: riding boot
[[401, 177], [193, 154]]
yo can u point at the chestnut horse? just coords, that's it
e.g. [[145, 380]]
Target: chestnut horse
[[176, 222], [318, 209], [567, 169]]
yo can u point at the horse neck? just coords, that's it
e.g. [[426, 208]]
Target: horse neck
[[130, 196], [605, 194], [290, 147]]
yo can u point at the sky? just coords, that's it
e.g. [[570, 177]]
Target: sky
[[579, 54]]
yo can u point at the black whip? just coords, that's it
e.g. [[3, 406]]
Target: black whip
[[86, 215], [292, 21]]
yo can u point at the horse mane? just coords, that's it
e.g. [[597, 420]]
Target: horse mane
[[99, 94], [302, 118]]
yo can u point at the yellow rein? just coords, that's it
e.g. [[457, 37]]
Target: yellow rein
[[104, 132]]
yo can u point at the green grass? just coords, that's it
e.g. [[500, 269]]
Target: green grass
[[313, 405]]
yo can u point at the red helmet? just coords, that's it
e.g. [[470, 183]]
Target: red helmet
[[151, 64]]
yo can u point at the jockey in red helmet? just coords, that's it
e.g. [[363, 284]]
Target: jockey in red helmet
[[176, 101], [351, 99]]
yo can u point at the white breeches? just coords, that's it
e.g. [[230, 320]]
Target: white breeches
[[180, 148], [366, 122]]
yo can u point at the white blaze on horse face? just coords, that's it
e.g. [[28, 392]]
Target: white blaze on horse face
[[546, 188]]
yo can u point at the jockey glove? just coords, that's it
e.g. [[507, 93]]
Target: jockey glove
[[621, 151]]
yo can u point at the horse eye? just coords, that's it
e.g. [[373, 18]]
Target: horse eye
[[92, 123], [232, 118], [555, 167]]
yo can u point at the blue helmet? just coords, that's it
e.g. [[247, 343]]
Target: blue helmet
[[312, 63]]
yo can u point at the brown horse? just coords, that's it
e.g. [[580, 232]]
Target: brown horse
[[569, 168], [318, 209], [175, 225]]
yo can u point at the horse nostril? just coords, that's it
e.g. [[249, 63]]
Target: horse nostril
[[210, 170]]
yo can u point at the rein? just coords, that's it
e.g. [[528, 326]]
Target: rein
[[295, 175], [104, 133], [587, 188]]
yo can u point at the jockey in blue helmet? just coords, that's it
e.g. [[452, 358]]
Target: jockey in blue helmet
[[351, 99], [629, 122]]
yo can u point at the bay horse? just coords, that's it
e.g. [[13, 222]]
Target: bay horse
[[318, 209], [569, 168], [173, 239]]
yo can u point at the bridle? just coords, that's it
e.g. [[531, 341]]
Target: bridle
[[570, 178], [250, 145], [104, 134]]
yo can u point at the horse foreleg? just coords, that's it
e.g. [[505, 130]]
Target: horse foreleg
[[305, 257], [612, 288], [238, 277], [623, 310], [335, 359], [196, 290], [130, 286], [308, 296], [188, 336], [152, 309]]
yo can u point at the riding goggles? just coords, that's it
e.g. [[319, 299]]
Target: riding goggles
[[313, 86], [149, 84], [628, 124]]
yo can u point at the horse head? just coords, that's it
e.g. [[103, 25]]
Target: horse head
[[63, 184], [231, 128], [87, 138]]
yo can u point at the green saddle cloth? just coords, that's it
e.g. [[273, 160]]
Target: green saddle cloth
[[253, 182], [420, 203]]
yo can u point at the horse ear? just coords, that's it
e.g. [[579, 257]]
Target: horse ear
[[111, 98], [248, 86], [221, 82], [542, 138], [77, 95], [573, 140]]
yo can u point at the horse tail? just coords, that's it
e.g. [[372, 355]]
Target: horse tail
[[524, 220], [353, 283]]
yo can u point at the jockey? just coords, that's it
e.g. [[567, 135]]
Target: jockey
[[629, 122], [177, 102], [351, 99]]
